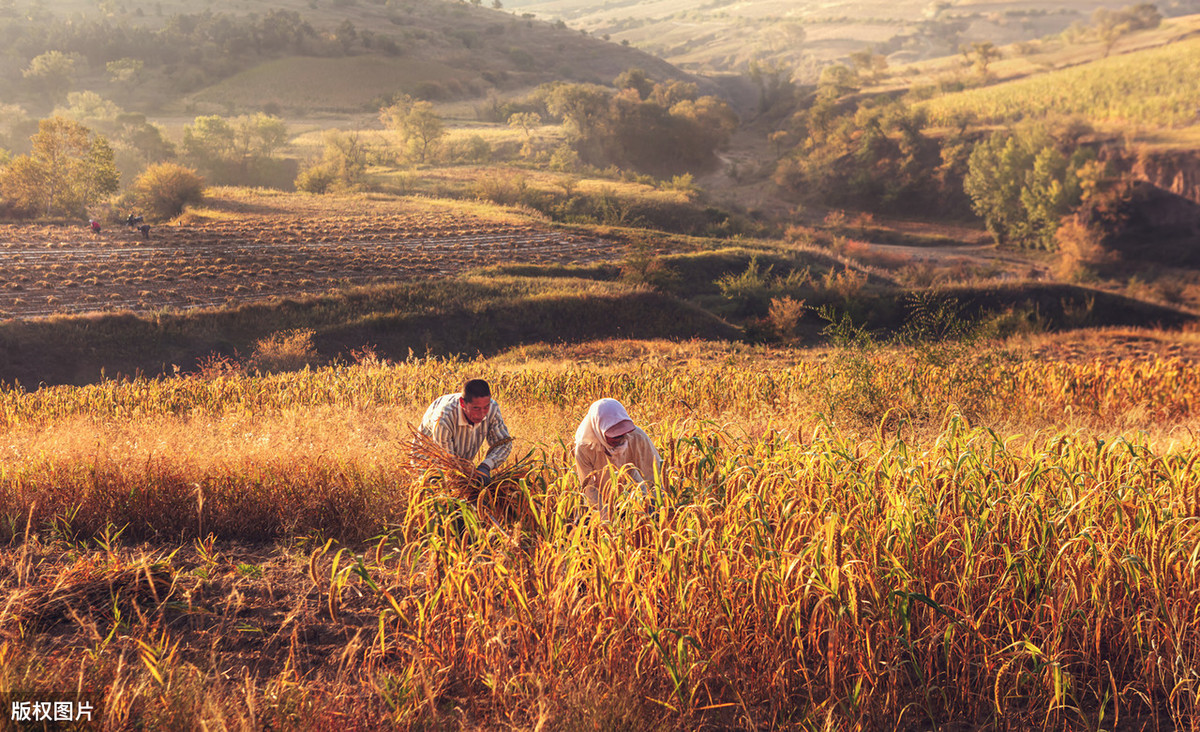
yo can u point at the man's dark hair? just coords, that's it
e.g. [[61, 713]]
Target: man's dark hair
[[475, 388]]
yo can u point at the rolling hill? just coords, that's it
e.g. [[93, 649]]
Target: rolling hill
[[724, 35], [156, 57]]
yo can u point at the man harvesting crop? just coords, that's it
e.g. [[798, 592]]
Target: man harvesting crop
[[460, 422]]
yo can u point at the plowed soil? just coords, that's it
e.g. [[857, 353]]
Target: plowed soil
[[260, 247]]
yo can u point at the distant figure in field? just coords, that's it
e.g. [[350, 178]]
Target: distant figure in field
[[461, 421], [608, 438], [145, 229], [94, 225], [133, 221]]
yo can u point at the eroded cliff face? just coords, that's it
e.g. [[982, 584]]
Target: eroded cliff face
[[1177, 172]]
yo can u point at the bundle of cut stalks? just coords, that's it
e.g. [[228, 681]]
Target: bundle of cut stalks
[[90, 587], [500, 497]]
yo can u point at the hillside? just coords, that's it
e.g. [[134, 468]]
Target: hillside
[[725, 36], [292, 57], [1148, 89], [1139, 90]]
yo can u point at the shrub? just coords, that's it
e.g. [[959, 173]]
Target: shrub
[[473, 149], [785, 315], [1081, 250], [643, 266], [290, 350], [564, 159], [164, 189], [317, 179], [753, 290], [506, 189], [845, 283]]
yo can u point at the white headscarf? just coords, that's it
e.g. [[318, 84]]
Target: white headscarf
[[602, 416]]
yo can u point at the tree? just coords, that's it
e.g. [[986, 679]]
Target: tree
[[90, 108], [1110, 25], [346, 35], [100, 176], [1051, 190], [980, 54], [877, 157], [773, 80], [138, 144], [15, 124], [209, 139], [837, 81], [669, 93], [995, 176], [125, 70], [67, 170], [581, 106], [634, 78], [419, 127], [1022, 184], [526, 121], [52, 72], [785, 36], [258, 135], [868, 64], [233, 150], [342, 166]]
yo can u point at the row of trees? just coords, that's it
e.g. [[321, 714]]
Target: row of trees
[[70, 170], [198, 38], [241, 150], [662, 128], [1022, 182]]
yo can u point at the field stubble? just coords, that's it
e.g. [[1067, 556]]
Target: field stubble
[[258, 247]]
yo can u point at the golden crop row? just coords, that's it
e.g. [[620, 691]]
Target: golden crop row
[[1156, 392], [1156, 87]]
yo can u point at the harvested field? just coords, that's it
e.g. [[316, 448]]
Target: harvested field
[[260, 247]]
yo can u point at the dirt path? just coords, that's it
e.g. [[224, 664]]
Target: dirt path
[[986, 257]]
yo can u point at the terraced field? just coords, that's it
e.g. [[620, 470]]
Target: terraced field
[[256, 248]]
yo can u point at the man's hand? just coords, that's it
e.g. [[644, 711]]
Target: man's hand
[[483, 473]]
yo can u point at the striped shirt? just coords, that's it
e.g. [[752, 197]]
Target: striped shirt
[[445, 423]]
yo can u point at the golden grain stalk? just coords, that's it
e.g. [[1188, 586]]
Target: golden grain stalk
[[500, 497]]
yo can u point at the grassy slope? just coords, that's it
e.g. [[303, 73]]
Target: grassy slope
[[725, 36], [305, 82], [463, 315], [1150, 88], [446, 51], [505, 307]]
